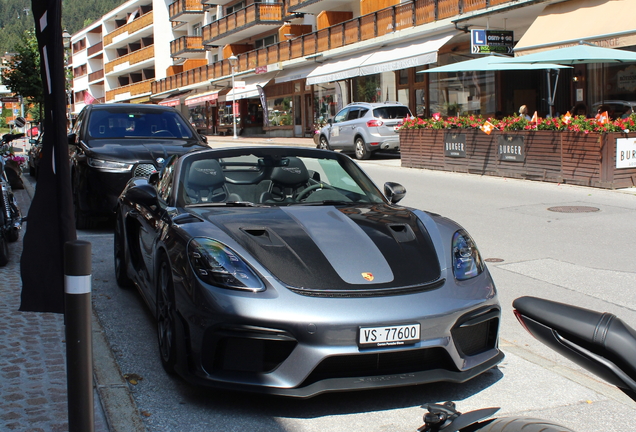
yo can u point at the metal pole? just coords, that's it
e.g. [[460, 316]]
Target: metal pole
[[79, 346], [234, 107]]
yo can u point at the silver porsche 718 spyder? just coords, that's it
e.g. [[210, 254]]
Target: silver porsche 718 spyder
[[287, 271]]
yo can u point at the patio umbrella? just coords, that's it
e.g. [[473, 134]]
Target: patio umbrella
[[578, 54], [491, 63], [495, 62]]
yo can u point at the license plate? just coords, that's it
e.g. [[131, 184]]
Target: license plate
[[389, 335]]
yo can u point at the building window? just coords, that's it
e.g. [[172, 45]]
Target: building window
[[235, 7], [267, 41], [196, 29]]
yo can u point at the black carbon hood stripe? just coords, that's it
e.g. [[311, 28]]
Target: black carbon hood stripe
[[334, 248]]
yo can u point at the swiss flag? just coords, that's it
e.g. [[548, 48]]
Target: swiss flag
[[487, 127], [88, 98]]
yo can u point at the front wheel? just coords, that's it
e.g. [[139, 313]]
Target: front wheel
[[516, 424], [361, 150], [4, 251], [121, 266], [323, 144], [166, 315]]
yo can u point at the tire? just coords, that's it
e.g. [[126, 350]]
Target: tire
[[323, 143], [4, 251], [12, 235], [361, 150], [516, 424], [82, 221], [166, 331], [121, 266]]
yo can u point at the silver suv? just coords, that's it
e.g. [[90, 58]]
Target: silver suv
[[365, 128]]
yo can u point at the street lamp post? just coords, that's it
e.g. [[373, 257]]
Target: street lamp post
[[233, 61], [66, 39]]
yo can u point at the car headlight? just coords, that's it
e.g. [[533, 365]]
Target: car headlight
[[216, 264], [112, 166], [467, 262]]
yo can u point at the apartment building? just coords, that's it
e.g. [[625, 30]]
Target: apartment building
[[298, 61]]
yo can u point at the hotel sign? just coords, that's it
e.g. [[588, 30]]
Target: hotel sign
[[455, 145], [491, 41], [511, 148]]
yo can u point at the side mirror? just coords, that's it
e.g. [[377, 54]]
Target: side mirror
[[71, 138], [394, 192], [330, 121], [144, 194], [204, 138]]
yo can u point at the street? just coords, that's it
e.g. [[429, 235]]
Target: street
[[581, 258]]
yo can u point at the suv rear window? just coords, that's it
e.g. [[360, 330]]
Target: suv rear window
[[392, 112]]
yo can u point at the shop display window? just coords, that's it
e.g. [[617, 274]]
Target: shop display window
[[226, 115], [279, 111]]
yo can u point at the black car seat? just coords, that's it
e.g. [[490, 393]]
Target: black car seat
[[205, 182], [287, 181]]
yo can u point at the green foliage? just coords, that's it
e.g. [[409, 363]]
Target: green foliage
[[22, 76], [16, 18]]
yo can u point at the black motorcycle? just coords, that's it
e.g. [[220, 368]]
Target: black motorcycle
[[599, 342], [10, 214]]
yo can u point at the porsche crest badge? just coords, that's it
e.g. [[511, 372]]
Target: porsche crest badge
[[368, 276]]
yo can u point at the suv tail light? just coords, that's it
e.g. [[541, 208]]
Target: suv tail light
[[374, 123]]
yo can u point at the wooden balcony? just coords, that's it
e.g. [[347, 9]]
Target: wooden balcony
[[242, 24], [187, 47], [373, 25], [132, 27], [130, 90], [185, 10], [97, 75], [131, 58], [94, 49], [213, 3]]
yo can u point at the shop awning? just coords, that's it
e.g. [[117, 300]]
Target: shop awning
[[250, 90], [386, 59], [174, 99], [606, 23], [337, 70], [491, 63], [296, 73], [403, 56], [201, 98]]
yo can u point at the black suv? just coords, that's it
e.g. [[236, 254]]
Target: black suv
[[112, 143]]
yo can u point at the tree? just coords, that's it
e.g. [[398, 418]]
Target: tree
[[22, 76]]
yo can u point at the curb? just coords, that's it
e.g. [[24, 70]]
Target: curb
[[115, 397]]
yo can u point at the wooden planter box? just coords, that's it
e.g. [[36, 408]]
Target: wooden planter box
[[563, 157]]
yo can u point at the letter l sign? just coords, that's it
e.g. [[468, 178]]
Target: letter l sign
[[479, 36]]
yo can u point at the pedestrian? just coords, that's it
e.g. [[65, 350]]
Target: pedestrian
[[523, 113]]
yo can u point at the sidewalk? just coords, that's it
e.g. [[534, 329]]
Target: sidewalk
[[33, 387], [254, 140]]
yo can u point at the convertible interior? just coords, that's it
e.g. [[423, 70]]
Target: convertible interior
[[259, 182]]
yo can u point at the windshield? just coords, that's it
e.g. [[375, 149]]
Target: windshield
[[273, 180], [137, 124]]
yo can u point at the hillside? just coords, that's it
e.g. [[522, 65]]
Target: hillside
[[16, 17]]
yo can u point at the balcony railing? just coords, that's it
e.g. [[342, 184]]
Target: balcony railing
[[94, 49], [135, 89], [402, 16], [94, 76], [132, 58], [184, 6], [186, 44], [143, 21], [254, 14]]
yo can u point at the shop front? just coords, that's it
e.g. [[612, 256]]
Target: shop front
[[203, 109]]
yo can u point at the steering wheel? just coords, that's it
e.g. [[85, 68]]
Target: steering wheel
[[310, 189], [163, 132]]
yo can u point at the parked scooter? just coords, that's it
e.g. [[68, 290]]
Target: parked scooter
[[598, 342], [10, 214]]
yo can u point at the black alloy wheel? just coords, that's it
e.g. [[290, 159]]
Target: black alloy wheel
[[166, 317], [121, 266]]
